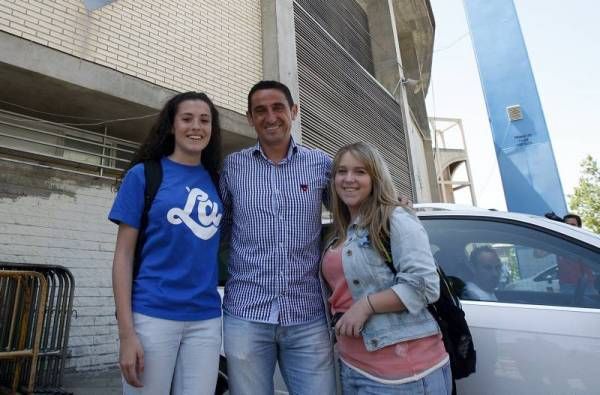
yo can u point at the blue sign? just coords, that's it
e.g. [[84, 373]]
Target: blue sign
[[523, 149], [93, 5]]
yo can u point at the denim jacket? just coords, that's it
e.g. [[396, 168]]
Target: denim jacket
[[416, 282]]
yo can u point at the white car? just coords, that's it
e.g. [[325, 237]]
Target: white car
[[542, 335]]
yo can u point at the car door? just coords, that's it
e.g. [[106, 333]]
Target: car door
[[536, 318]]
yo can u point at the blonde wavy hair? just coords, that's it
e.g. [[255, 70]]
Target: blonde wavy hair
[[375, 211]]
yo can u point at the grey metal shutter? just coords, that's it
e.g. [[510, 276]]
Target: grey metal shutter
[[342, 103], [347, 23]]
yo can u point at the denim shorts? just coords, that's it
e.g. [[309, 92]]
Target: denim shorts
[[438, 382]]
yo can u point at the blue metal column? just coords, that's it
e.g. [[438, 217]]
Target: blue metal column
[[93, 5], [525, 158]]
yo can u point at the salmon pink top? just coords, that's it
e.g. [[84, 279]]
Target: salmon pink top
[[400, 362]]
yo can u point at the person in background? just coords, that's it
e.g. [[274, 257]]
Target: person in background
[[573, 274], [387, 340], [572, 219], [169, 312], [487, 272], [273, 310]]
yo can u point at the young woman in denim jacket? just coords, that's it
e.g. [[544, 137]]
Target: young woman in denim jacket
[[387, 341]]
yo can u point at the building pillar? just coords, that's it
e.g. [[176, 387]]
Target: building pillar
[[416, 102], [387, 61], [384, 44], [279, 50]]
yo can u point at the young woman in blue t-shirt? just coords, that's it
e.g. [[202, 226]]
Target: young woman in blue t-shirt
[[169, 313]]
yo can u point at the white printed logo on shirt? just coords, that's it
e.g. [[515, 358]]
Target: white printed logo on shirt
[[208, 214]]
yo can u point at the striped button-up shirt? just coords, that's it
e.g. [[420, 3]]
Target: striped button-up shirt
[[273, 212]]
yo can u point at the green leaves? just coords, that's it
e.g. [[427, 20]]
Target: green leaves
[[586, 199]]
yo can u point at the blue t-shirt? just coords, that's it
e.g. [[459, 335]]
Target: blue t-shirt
[[178, 272]]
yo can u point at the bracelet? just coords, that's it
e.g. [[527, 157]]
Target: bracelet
[[371, 305]]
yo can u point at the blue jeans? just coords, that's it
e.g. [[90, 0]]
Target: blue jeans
[[179, 356], [304, 353], [438, 382]]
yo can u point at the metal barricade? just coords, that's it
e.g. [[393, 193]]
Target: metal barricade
[[56, 324], [24, 295]]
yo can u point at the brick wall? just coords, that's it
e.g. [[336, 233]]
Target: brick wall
[[207, 45], [51, 217], [55, 217]]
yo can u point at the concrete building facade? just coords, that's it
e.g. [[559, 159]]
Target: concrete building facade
[[81, 87]]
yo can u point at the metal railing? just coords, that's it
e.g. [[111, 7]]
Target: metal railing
[[47, 367], [34, 140], [24, 295]]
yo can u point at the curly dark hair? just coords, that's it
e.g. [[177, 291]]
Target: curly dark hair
[[160, 141]]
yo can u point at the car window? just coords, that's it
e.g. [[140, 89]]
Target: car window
[[501, 261]]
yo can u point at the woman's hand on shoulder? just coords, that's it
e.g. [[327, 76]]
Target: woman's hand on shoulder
[[353, 320], [405, 202], [131, 359]]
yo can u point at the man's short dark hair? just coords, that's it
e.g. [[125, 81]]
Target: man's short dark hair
[[575, 216], [269, 84], [476, 253]]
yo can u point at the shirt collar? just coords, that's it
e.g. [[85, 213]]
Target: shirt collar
[[292, 149], [355, 222]]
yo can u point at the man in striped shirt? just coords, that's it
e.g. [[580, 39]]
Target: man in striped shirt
[[273, 306]]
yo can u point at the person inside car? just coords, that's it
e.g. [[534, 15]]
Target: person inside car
[[487, 271]]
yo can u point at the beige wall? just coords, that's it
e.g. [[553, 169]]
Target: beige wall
[[52, 217], [207, 45]]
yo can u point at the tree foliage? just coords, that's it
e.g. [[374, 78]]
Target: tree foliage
[[586, 199]]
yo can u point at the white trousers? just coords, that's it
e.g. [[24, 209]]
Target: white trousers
[[180, 357]]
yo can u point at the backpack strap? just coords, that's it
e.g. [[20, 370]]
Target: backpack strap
[[448, 313], [388, 250], [153, 178], [445, 286]]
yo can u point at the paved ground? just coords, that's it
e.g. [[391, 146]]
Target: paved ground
[[106, 382]]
